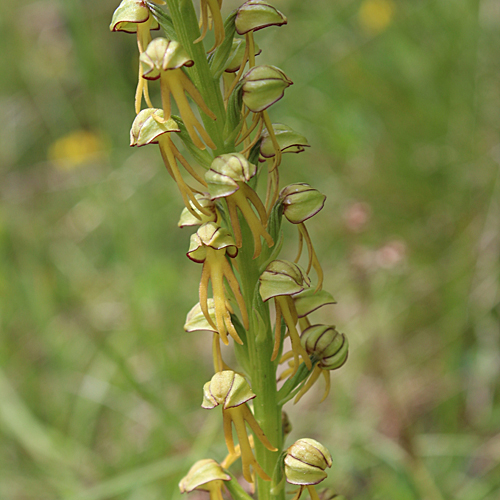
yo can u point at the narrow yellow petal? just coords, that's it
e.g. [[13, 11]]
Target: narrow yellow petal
[[235, 287], [203, 293], [292, 331], [250, 419], [310, 382], [228, 431]]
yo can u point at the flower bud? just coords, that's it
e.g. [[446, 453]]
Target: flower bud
[[225, 173], [254, 15], [196, 321], [300, 202], [188, 219], [289, 141], [213, 236], [202, 473], [129, 14], [226, 388], [263, 86], [162, 55], [282, 277], [309, 300], [236, 55], [306, 461], [146, 129], [327, 344]]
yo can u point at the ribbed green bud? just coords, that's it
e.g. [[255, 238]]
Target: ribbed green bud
[[254, 15], [236, 55], [196, 321], [146, 130], [262, 86], [213, 236], [306, 461], [330, 347], [282, 277], [188, 219], [129, 14], [289, 141], [228, 389], [201, 473], [309, 300], [300, 202], [225, 173], [162, 55]]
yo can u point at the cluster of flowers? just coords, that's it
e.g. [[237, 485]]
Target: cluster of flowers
[[229, 212]]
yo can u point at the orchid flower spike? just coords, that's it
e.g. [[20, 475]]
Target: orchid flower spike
[[150, 127], [305, 464], [228, 178], [215, 16], [164, 59], [205, 475], [133, 16], [282, 280], [210, 245], [232, 391]]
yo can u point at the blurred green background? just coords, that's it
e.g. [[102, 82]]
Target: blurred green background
[[100, 387]]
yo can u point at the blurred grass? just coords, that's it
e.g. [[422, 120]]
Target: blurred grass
[[100, 387]]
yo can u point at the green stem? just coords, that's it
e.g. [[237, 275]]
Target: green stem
[[186, 26], [260, 344]]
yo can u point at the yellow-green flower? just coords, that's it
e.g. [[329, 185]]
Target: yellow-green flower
[[151, 127], [232, 391], [164, 59], [210, 245], [255, 15], [205, 475], [133, 16], [300, 202], [227, 178], [281, 280]]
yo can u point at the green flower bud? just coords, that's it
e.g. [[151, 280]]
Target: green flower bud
[[309, 300], [188, 219], [236, 55], [254, 15], [300, 202], [228, 389], [327, 344], [162, 55], [129, 14], [306, 461], [282, 277], [225, 173], [206, 475], [213, 236], [146, 130], [289, 141], [262, 86], [196, 321]]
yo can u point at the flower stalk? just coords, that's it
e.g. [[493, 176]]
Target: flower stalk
[[248, 297]]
